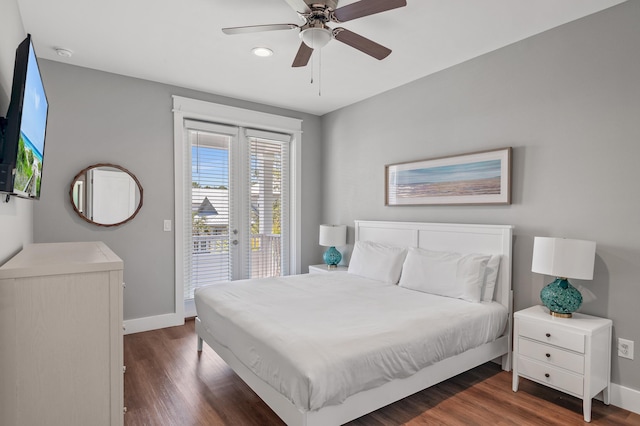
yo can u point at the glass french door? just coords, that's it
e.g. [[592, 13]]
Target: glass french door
[[236, 216], [210, 215]]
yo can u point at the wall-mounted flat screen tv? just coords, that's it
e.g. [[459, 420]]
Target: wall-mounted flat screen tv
[[24, 128]]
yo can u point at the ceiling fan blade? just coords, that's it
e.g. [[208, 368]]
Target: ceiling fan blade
[[363, 44], [298, 5], [366, 8], [303, 56], [258, 28]]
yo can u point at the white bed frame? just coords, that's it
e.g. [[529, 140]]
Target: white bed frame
[[462, 238]]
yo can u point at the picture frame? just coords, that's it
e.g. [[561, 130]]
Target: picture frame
[[476, 178]]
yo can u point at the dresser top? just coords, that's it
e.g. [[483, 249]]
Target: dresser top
[[61, 258]]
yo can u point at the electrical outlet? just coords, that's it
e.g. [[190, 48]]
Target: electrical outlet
[[167, 225], [625, 348]]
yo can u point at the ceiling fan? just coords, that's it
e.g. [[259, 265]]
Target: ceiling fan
[[315, 33]]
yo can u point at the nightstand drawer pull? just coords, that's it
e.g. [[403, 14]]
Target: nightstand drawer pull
[[547, 375], [548, 335], [548, 355]]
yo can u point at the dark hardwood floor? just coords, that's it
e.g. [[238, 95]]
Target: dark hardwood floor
[[167, 383]]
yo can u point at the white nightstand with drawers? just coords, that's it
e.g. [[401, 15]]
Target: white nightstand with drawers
[[324, 269], [572, 355]]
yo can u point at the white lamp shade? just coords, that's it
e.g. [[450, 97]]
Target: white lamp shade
[[565, 258], [333, 235]]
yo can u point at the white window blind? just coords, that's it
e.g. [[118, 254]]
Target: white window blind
[[268, 213], [208, 204]]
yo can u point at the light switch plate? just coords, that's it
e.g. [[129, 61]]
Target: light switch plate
[[167, 225]]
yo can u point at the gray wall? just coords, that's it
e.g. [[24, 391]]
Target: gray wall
[[16, 216], [101, 117], [568, 102]]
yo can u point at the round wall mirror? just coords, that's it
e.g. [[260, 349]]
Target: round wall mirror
[[106, 194]]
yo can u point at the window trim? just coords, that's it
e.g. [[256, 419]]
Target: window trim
[[193, 109]]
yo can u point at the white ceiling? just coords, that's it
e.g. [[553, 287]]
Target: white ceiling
[[180, 42]]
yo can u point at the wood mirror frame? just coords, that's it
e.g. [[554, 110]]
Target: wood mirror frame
[[78, 195]]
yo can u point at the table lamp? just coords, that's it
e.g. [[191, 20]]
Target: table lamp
[[331, 236], [563, 258]]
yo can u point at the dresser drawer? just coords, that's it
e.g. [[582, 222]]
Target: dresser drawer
[[553, 335], [551, 355], [551, 376]]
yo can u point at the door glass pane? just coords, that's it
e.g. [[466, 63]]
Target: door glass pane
[[266, 169], [210, 210]]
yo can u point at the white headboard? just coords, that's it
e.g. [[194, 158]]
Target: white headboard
[[461, 238]]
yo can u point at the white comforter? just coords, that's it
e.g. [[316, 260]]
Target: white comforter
[[319, 338]]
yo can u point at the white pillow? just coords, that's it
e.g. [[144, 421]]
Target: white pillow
[[377, 261], [445, 273], [490, 276]]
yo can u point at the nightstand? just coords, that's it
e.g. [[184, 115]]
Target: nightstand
[[322, 269], [572, 355]]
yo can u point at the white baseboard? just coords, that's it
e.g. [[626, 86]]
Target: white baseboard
[[624, 397], [189, 308], [138, 325]]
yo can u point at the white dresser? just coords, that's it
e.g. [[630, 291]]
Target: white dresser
[[572, 355], [61, 345]]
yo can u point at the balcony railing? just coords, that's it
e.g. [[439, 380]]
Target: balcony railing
[[265, 256], [211, 253], [210, 244]]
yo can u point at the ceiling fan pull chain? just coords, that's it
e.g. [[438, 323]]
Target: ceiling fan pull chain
[[312, 68], [320, 73]]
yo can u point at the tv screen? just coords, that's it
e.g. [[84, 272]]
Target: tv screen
[[25, 127]]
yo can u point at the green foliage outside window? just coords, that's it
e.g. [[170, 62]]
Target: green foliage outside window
[[24, 167]]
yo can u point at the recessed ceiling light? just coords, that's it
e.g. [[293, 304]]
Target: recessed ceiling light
[[262, 52], [66, 53]]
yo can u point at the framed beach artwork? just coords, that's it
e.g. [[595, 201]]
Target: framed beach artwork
[[474, 178]]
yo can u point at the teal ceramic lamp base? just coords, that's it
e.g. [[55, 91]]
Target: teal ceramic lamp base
[[561, 298], [332, 257]]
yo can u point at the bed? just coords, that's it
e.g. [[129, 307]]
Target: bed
[[369, 348]]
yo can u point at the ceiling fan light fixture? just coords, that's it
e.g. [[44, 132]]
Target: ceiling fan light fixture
[[262, 52], [316, 37]]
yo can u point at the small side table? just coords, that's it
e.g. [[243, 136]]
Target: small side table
[[323, 269], [572, 355]]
